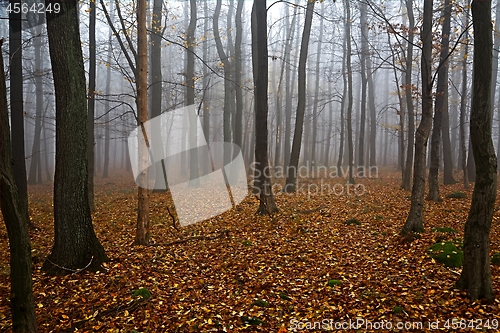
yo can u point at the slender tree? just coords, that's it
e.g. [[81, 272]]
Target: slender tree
[[21, 294], [91, 103], [142, 235], [301, 105], [414, 221], [476, 274], [440, 104], [17, 106]]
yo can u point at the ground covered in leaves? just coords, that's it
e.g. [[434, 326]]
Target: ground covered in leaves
[[304, 269]]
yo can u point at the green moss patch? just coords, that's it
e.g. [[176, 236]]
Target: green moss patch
[[457, 195], [444, 229], [353, 221], [448, 253]]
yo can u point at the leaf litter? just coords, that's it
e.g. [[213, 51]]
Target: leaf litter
[[242, 272]]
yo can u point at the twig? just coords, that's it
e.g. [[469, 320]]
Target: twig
[[74, 271]]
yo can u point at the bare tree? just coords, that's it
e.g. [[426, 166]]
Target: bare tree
[[476, 274], [301, 106], [21, 285], [414, 221]]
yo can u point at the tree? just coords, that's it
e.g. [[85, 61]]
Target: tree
[[260, 77], [407, 171], [463, 101], [414, 220], [17, 107], [440, 105], [476, 274], [91, 103], [21, 301], [301, 105], [142, 231], [76, 246], [350, 146]]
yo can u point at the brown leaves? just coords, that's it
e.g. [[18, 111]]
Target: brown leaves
[[284, 262]]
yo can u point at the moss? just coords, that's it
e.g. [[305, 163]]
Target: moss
[[261, 303], [248, 320], [143, 292], [448, 253], [397, 309], [495, 260], [353, 221], [457, 195], [247, 243], [333, 283]]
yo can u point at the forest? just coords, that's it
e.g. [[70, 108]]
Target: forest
[[249, 165]]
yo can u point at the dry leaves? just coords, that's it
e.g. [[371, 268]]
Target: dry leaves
[[265, 274]]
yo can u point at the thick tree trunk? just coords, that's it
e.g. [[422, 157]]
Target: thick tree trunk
[[301, 105], [21, 288], [76, 246], [414, 221], [476, 274], [260, 76]]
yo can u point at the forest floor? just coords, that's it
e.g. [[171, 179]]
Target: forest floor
[[303, 269]]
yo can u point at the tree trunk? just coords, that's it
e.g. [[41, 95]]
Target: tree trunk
[[260, 76], [476, 274], [21, 288], [227, 82], [238, 59], [414, 221], [105, 170], [440, 105], [76, 246], [409, 98], [315, 114], [17, 108], [142, 235], [301, 105], [35, 166], [463, 106], [363, 56], [350, 146], [91, 104]]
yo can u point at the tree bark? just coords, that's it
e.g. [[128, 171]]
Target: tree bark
[[75, 244], [142, 235], [91, 104], [440, 105], [350, 145], [463, 106], [414, 221], [409, 98], [21, 287], [476, 274], [301, 105], [260, 76], [17, 108]]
